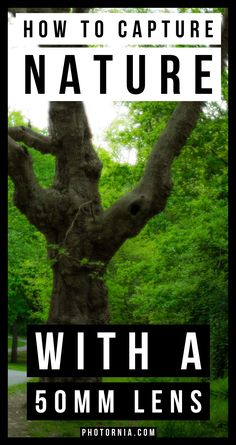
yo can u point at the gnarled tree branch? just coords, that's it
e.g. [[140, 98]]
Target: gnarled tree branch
[[28, 193], [39, 205], [131, 212], [32, 139]]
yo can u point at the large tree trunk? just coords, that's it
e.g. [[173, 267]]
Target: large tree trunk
[[78, 296]]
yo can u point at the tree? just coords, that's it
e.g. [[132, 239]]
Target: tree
[[81, 236], [28, 284], [175, 270]]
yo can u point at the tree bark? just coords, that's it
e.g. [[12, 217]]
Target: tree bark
[[81, 236], [79, 293], [79, 296]]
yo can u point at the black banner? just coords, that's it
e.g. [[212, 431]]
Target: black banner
[[127, 350], [119, 401]]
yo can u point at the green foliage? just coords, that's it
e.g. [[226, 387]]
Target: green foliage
[[16, 119], [28, 284], [175, 270], [116, 178], [29, 279], [197, 10], [44, 167]]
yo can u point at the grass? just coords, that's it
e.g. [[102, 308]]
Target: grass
[[20, 388], [15, 389], [215, 427], [17, 366]]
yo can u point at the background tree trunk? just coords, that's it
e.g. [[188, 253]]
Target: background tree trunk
[[14, 343]]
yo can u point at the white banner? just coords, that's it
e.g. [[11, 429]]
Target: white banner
[[119, 29], [127, 74]]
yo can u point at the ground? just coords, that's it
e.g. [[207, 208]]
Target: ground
[[17, 423], [19, 426]]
